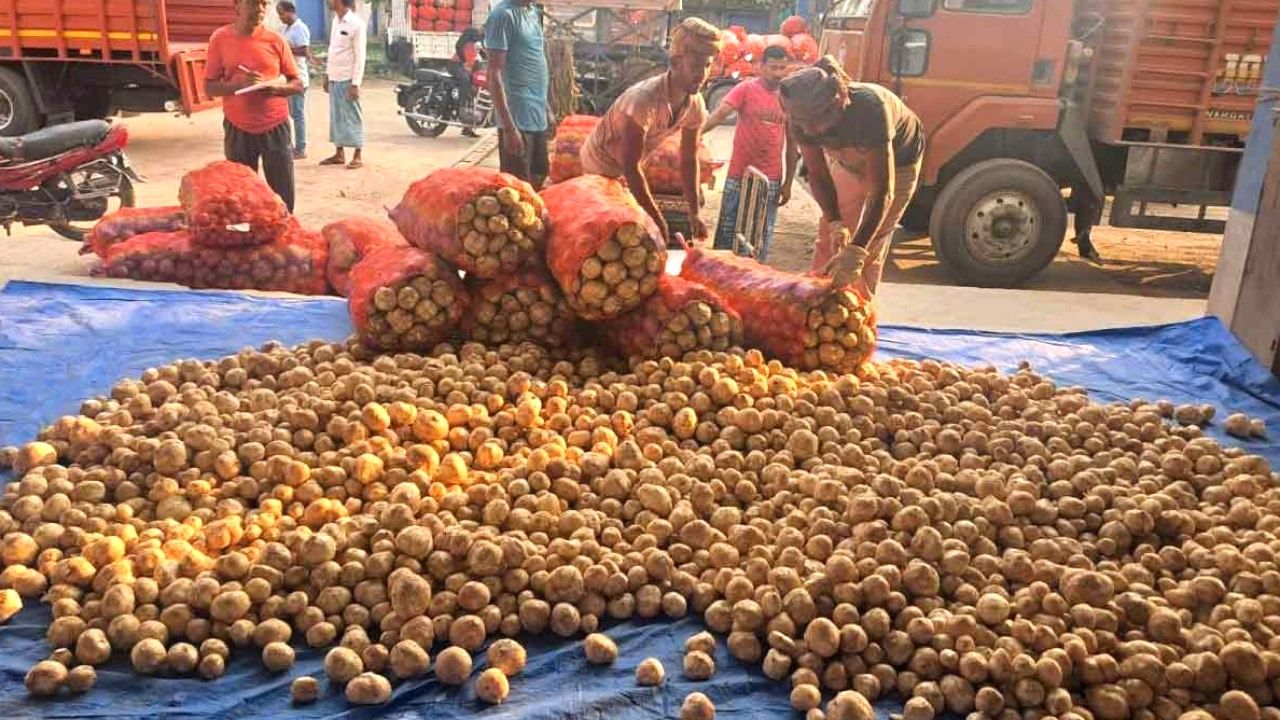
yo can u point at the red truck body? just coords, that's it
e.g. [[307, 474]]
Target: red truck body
[[1147, 101], [61, 59]]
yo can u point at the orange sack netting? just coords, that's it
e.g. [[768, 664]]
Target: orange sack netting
[[405, 298], [350, 240], [661, 169], [229, 205], [682, 316], [294, 262], [604, 251], [484, 221], [798, 319], [527, 306], [127, 222]]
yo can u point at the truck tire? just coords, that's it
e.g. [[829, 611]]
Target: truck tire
[[998, 223], [715, 95], [18, 114]]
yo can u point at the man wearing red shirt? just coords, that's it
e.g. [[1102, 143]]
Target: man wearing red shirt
[[758, 142], [256, 124]]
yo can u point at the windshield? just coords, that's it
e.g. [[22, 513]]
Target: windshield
[[851, 8]]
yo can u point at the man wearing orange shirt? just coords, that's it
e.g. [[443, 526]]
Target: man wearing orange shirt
[[256, 123]]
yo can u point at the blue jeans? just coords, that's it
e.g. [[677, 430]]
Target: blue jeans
[[298, 112], [729, 216]]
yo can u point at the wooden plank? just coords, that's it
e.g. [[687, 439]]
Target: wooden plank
[[1257, 312]]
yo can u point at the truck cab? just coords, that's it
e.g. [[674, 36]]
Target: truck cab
[[1023, 99]]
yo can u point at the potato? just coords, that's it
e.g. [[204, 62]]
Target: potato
[[342, 664], [698, 665], [506, 655], [703, 642], [600, 649], [148, 656], [277, 656], [453, 666], [368, 689], [408, 660], [849, 705], [697, 706], [81, 679], [10, 605], [304, 690], [650, 672], [492, 686], [212, 666], [182, 658], [45, 677]]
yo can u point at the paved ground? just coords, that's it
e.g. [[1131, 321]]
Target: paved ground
[[1170, 271]]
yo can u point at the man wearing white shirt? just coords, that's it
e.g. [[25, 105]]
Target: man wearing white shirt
[[344, 75]]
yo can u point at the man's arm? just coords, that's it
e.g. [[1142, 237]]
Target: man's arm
[[357, 73], [632, 157], [718, 116], [511, 136], [690, 139], [879, 164], [791, 162], [820, 182]]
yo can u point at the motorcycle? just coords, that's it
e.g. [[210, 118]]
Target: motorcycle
[[65, 175], [432, 102]]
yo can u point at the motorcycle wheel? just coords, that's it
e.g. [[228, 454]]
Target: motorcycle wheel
[[417, 102], [79, 230]]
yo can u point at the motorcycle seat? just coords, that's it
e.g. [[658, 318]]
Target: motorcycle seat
[[424, 74], [51, 141]]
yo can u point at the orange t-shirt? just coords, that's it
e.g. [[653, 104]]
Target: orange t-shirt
[[264, 52]]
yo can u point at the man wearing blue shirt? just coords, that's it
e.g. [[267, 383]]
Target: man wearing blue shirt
[[518, 81], [298, 36]]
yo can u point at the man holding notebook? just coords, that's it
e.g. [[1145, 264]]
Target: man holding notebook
[[252, 69]]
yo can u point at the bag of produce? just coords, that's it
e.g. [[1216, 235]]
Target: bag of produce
[[350, 240], [405, 298], [484, 221], [229, 205], [798, 319], [604, 251], [661, 169], [127, 222], [294, 262], [526, 306], [681, 317], [566, 153]]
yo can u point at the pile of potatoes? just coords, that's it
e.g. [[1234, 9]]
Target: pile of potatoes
[[972, 542]]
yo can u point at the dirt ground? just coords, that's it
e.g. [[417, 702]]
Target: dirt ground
[[164, 147]]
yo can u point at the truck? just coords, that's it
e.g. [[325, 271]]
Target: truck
[[412, 40], [1148, 102], [63, 60]]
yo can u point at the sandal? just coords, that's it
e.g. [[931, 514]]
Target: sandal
[[355, 164], [333, 160]]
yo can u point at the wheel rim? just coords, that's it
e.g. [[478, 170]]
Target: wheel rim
[[1002, 228], [111, 204], [6, 110]]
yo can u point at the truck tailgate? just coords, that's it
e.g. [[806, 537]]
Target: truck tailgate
[[1186, 69], [187, 65]]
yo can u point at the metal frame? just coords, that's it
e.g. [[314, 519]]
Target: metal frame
[[1146, 182], [753, 214]]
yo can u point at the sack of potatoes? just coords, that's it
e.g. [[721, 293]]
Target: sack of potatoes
[[605, 252], [294, 262], [525, 307], [229, 205], [681, 317], [801, 320], [130, 221], [404, 298], [486, 222], [349, 241]]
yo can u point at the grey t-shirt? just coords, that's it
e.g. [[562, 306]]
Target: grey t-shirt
[[873, 117]]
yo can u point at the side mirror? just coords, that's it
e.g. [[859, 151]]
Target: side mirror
[[909, 56], [916, 8]]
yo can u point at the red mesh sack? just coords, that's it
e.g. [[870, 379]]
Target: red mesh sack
[[682, 316], [350, 240], [566, 153], [295, 262], [604, 251], [229, 205], [753, 48], [484, 221], [127, 222], [798, 319], [739, 32], [404, 298], [730, 48], [804, 48], [525, 307], [794, 25], [662, 168]]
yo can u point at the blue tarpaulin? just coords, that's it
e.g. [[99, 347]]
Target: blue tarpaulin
[[60, 344]]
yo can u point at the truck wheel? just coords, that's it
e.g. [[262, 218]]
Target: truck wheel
[[998, 223], [715, 96], [18, 114]]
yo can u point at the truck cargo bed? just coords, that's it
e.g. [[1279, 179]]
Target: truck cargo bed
[[106, 30], [1184, 71]]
